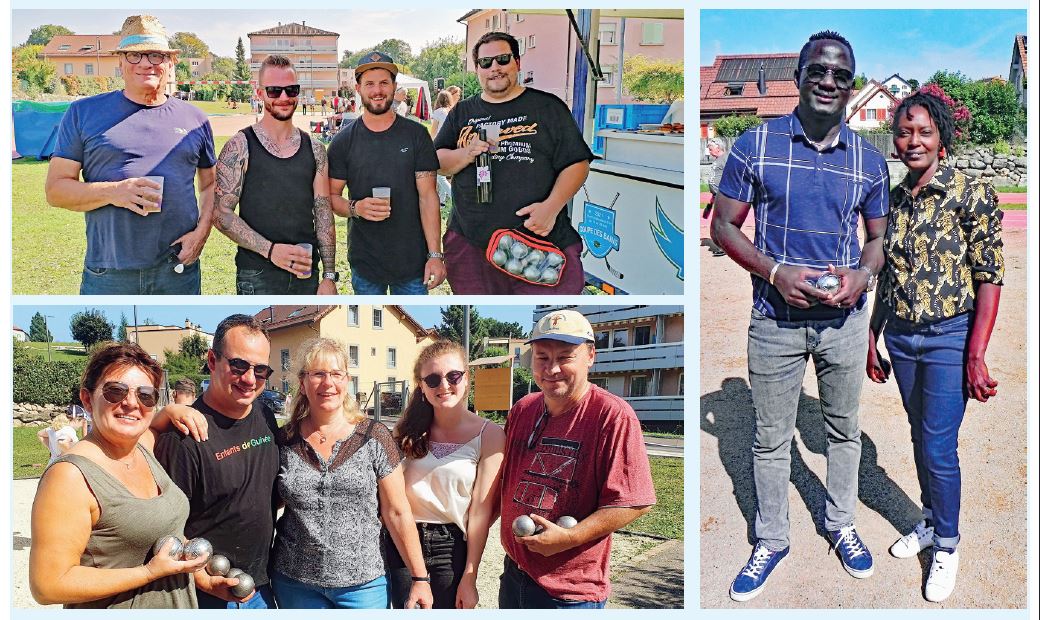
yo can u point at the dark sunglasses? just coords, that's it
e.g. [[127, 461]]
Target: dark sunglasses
[[115, 392], [274, 92], [484, 62], [155, 58], [843, 78], [240, 367], [433, 381], [537, 430]]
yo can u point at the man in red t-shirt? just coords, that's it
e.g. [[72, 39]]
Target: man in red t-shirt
[[576, 450]]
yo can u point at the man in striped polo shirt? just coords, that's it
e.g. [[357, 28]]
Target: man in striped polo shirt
[[809, 179]]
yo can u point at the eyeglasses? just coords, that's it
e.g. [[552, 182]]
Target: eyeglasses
[[319, 376], [484, 62], [433, 381], [155, 58], [537, 430], [240, 367], [815, 73], [116, 391], [274, 92]]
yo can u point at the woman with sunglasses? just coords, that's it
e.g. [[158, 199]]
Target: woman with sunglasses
[[340, 475], [451, 472], [102, 505], [937, 301]]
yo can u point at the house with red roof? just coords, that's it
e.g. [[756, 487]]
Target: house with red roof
[[1017, 72], [747, 84], [868, 107]]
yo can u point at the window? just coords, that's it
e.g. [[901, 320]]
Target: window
[[194, 63], [377, 318], [516, 352], [603, 340], [494, 22], [352, 316], [194, 74], [354, 355], [89, 69], [530, 41], [620, 338], [608, 77], [642, 335], [871, 114], [522, 44], [64, 46], [372, 352], [285, 386], [682, 383], [518, 18], [599, 382], [529, 78], [638, 387], [354, 385], [285, 359], [653, 33], [487, 23], [392, 380], [118, 71], [68, 68], [391, 357], [607, 34], [734, 89]]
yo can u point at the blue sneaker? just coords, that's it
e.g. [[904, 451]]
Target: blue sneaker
[[752, 578], [853, 553]]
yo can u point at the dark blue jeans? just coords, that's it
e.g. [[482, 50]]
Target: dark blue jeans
[[263, 599], [518, 591], [274, 281], [367, 287], [159, 279], [444, 551], [928, 362]]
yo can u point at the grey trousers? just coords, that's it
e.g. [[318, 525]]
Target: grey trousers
[[778, 352]]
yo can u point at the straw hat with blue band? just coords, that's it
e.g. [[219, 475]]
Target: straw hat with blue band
[[143, 33]]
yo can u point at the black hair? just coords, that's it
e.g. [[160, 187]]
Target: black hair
[[825, 35], [936, 108], [251, 323], [514, 45]]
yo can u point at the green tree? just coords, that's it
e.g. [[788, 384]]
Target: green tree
[[465, 80], [732, 126], [183, 71], [859, 81], [90, 327], [241, 91], [479, 328], [190, 45], [914, 84], [439, 59], [194, 346], [29, 68], [223, 66], [42, 35], [121, 334], [397, 49], [38, 331], [993, 106], [653, 79]]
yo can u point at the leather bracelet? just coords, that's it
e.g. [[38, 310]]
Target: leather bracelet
[[422, 579], [353, 208], [269, 251], [772, 273]]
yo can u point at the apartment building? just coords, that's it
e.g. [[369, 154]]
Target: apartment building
[[83, 55], [157, 339], [314, 53], [639, 356]]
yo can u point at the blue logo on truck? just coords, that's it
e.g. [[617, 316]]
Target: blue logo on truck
[[669, 238], [597, 230]]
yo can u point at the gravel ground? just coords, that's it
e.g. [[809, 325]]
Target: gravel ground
[[993, 447]]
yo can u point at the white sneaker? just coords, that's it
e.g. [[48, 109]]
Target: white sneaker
[[913, 543], [942, 576]]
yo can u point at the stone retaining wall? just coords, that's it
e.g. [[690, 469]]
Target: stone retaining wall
[[26, 414]]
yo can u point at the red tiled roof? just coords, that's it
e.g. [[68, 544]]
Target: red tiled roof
[[289, 316], [781, 95], [78, 42], [295, 29], [1020, 42]]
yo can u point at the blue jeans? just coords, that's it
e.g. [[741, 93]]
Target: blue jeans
[[444, 553], [928, 362], [274, 281], [366, 287], [159, 279], [263, 599], [778, 352], [517, 590], [292, 594]]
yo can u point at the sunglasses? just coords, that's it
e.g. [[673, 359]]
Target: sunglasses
[[240, 367], [274, 92], [843, 78], [116, 391], [484, 62], [320, 376], [155, 58], [537, 430], [433, 381]]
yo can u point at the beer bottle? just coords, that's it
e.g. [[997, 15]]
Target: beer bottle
[[483, 172]]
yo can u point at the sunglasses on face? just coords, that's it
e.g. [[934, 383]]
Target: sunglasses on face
[[842, 77], [155, 58], [319, 376], [484, 62], [274, 92], [116, 391], [433, 381], [240, 367]]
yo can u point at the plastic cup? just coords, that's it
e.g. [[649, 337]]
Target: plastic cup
[[310, 252], [493, 131], [381, 192], [160, 181]]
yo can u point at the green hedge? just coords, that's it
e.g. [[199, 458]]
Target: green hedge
[[41, 382]]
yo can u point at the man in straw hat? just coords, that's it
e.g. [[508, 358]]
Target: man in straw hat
[[572, 450], [139, 152]]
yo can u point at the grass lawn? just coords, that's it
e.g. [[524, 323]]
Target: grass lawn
[[666, 518], [30, 457], [59, 351], [220, 107]]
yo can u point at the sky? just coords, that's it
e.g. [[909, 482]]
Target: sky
[[209, 316], [912, 43], [221, 28]]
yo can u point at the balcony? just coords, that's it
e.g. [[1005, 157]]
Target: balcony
[[645, 357], [606, 314], [292, 49], [657, 408]]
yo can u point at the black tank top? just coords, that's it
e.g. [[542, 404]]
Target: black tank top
[[277, 199]]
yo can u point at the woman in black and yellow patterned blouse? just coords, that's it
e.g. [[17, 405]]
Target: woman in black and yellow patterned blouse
[[937, 300]]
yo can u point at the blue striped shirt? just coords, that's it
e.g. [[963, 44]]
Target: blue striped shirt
[[807, 202]]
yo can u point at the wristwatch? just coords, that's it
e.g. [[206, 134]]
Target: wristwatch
[[434, 255], [331, 275], [871, 279]]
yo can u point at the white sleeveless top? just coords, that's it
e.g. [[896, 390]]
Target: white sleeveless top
[[439, 489]]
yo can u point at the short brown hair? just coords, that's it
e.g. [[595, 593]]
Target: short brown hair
[[117, 356], [274, 60], [251, 323], [185, 385]]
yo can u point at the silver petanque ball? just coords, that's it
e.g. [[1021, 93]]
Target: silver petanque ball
[[519, 250], [523, 526], [244, 586], [514, 266], [532, 273], [197, 548], [828, 283], [500, 257], [234, 572], [554, 259], [550, 275], [175, 550], [566, 522], [505, 242], [218, 566], [535, 257]]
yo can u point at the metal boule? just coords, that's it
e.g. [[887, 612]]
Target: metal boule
[[532, 273], [566, 522], [550, 275], [197, 548], [505, 242], [828, 282], [244, 586], [175, 549], [514, 266], [500, 257], [524, 526], [234, 572], [519, 250], [554, 259], [218, 566]]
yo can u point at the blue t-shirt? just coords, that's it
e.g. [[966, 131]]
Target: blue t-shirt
[[113, 139], [807, 203]]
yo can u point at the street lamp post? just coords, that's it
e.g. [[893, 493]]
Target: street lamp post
[[47, 334]]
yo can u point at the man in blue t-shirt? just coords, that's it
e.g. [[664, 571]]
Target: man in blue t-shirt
[[809, 179], [139, 152]]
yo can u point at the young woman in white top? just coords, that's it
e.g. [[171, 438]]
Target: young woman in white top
[[452, 461], [60, 435]]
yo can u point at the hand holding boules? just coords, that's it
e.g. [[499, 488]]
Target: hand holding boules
[[853, 283], [795, 285], [218, 566], [550, 538], [136, 195], [165, 561], [197, 548], [291, 258], [373, 209], [244, 587]]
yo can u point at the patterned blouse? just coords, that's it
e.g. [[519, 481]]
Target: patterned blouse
[[329, 535], [939, 245]]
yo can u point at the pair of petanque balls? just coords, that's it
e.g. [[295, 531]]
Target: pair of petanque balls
[[525, 525], [217, 566]]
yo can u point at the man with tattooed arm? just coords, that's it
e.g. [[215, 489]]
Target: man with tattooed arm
[[279, 178]]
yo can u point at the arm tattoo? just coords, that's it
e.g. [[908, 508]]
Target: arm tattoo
[[425, 173], [321, 159], [231, 169], [325, 226]]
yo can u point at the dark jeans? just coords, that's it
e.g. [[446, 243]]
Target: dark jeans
[[518, 591], [928, 362], [444, 551], [159, 279], [263, 599], [275, 281]]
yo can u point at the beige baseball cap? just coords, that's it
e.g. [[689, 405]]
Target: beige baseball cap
[[568, 326]]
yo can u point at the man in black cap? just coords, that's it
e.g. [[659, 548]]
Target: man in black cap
[[396, 249]]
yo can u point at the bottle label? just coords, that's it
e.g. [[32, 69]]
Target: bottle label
[[483, 174]]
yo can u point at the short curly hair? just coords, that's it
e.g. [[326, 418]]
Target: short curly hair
[[936, 108]]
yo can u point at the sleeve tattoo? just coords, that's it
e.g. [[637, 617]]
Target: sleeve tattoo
[[425, 173], [324, 220], [231, 169]]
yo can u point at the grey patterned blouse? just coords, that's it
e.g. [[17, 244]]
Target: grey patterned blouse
[[329, 535]]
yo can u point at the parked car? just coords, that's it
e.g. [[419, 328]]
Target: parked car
[[275, 400]]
